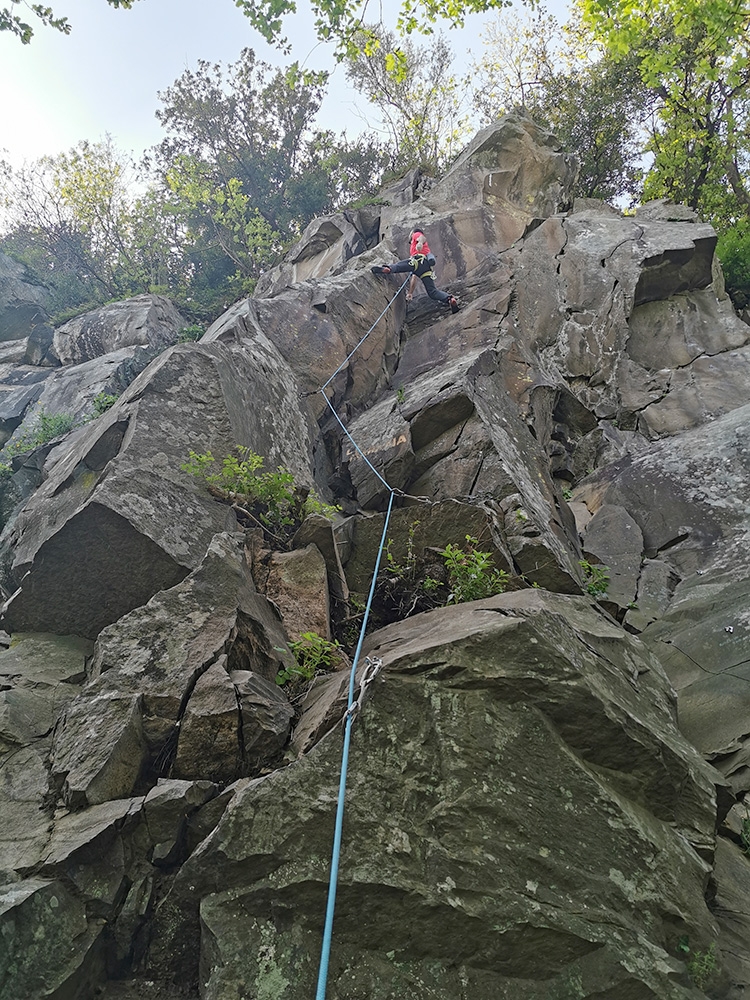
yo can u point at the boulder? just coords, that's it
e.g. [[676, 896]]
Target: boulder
[[514, 167], [571, 898], [39, 676], [68, 392], [316, 326], [613, 539], [324, 247], [47, 944], [297, 584], [151, 321], [118, 519], [124, 729]]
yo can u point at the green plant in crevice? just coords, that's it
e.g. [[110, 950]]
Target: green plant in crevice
[[103, 402], [313, 654], [270, 499], [472, 575], [191, 334], [406, 585], [596, 578], [48, 427], [745, 831], [702, 965]]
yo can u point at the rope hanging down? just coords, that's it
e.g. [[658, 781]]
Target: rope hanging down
[[372, 667]]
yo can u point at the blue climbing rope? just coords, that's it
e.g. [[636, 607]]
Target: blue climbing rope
[[351, 703], [336, 853], [351, 354]]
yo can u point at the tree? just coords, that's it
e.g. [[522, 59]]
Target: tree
[[416, 94], [596, 106], [339, 21], [11, 20], [245, 165], [695, 58], [77, 223]]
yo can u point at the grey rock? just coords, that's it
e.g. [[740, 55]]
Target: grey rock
[[297, 583], [613, 539], [47, 944], [39, 676], [125, 725], [117, 519], [148, 320], [319, 531], [23, 301], [324, 247], [483, 750], [511, 165]]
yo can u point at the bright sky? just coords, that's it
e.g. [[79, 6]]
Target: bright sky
[[104, 77]]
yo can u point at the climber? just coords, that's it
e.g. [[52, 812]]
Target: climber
[[420, 263], [418, 244]]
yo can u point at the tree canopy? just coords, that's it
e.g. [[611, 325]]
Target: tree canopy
[[338, 21], [12, 18], [241, 171], [419, 100], [695, 58]]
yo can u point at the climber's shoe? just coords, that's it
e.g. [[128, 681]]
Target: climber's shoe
[[453, 303]]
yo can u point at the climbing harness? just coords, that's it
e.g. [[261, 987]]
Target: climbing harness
[[372, 668]]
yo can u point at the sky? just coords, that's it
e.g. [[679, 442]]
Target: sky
[[105, 76]]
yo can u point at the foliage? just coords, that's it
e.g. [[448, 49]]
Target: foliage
[[702, 966], [406, 585], [341, 21], [695, 58], [415, 584], [246, 166], [595, 106], [471, 573], [10, 21], [733, 250], [270, 499], [241, 172], [103, 402], [745, 831], [191, 333], [418, 98], [596, 578], [47, 427], [76, 224], [312, 654]]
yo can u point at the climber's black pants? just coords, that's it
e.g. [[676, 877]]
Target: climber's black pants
[[420, 265]]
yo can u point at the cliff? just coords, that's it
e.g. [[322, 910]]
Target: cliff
[[545, 790]]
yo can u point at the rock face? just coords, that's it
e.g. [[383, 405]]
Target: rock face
[[505, 769], [146, 320], [22, 302], [546, 789]]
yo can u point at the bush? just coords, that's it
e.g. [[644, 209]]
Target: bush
[[313, 654], [189, 334], [702, 966], [270, 499], [103, 402], [471, 573], [595, 577], [733, 250], [51, 425]]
